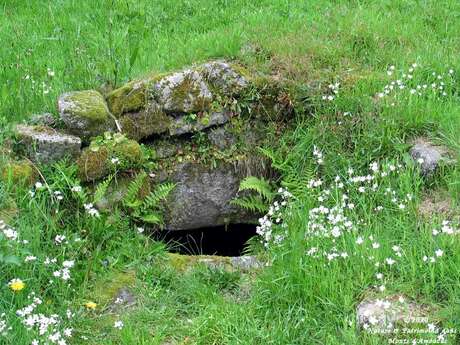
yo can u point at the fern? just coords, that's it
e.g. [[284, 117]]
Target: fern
[[251, 203], [134, 187], [261, 186], [101, 189], [160, 193], [255, 203]]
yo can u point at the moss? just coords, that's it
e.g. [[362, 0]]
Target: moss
[[129, 97], [88, 104], [106, 290], [141, 125], [95, 161], [93, 165], [20, 173], [184, 263], [129, 151], [182, 92]]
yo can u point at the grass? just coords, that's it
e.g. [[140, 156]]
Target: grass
[[57, 46]]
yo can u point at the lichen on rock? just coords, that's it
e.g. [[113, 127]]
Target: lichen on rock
[[46, 145], [227, 78], [182, 92], [85, 113]]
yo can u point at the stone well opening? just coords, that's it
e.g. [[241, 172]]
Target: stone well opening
[[230, 240]]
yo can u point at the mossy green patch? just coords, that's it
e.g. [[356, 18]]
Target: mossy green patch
[[109, 154], [20, 173], [93, 165], [145, 123], [89, 104], [106, 290], [129, 97]]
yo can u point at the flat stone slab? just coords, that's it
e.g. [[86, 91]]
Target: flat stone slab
[[245, 263], [46, 145]]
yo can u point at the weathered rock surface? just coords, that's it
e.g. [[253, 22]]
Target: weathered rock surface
[[85, 114], [221, 138], [46, 145], [45, 119], [183, 125], [429, 156], [182, 92], [246, 263], [224, 77], [202, 195], [385, 313]]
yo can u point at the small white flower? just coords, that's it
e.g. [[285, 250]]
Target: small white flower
[[118, 324], [115, 160], [390, 261], [439, 253], [38, 185], [379, 276], [140, 230], [359, 240], [76, 189]]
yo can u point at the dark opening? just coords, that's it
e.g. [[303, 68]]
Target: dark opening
[[230, 240]]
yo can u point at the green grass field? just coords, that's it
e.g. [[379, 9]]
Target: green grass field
[[309, 293]]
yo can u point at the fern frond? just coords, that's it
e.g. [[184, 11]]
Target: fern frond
[[251, 203], [101, 189], [152, 218], [133, 190], [261, 186], [161, 192]]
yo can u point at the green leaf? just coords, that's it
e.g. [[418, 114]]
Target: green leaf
[[151, 219]]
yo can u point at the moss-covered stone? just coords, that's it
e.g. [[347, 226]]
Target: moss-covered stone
[[20, 173], [145, 123], [182, 92], [105, 156], [85, 113], [93, 165], [128, 98], [227, 79]]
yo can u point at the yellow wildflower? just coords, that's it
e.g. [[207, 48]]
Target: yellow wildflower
[[17, 285], [90, 305]]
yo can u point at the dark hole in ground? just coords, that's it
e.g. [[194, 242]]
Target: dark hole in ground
[[230, 240]]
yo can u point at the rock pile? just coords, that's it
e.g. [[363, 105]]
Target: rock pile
[[192, 131]]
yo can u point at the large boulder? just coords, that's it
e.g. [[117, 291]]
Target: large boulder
[[182, 92], [203, 193], [85, 114], [46, 145]]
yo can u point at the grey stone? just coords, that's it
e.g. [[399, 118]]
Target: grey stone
[[183, 124], [224, 78], [123, 300], [221, 138], [246, 262], [46, 145], [202, 195], [85, 114], [45, 119], [182, 92], [385, 313], [428, 156]]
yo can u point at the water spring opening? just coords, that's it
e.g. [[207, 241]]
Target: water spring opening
[[230, 240]]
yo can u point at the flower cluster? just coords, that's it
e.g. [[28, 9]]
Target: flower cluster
[[334, 89], [274, 218], [50, 328], [437, 85]]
